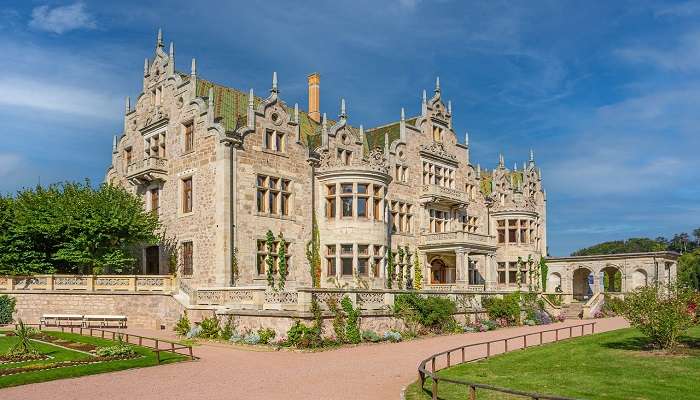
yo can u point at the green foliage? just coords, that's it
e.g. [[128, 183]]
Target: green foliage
[[183, 325], [555, 299], [390, 267], [432, 313], [662, 313], [613, 306], [229, 328], [507, 308], [417, 272], [352, 329], [339, 321], [544, 269], [210, 328], [371, 336], [269, 261], [305, 337], [632, 245], [282, 257], [689, 269], [24, 345], [7, 308], [234, 266], [266, 335], [399, 274], [120, 350], [313, 253], [73, 228]]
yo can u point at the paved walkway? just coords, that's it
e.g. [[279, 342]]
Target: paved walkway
[[364, 372]]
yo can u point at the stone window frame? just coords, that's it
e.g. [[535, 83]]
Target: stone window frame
[[401, 211], [261, 254], [187, 253], [182, 210], [401, 173], [283, 196], [158, 190], [373, 258], [438, 217], [188, 143], [128, 157], [470, 188], [155, 142], [523, 230], [336, 196], [470, 223], [434, 173], [275, 141]]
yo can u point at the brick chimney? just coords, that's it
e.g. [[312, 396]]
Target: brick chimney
[[314, 96]]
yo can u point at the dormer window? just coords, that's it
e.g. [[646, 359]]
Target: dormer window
[[275, 141], [345, 156], [437, 133]]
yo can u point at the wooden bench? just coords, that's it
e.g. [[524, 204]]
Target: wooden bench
[[61, 319], [104, 320]]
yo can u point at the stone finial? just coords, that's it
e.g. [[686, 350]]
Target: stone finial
[[425, 97], [478, 170], [296, 112], [466, 138], [114, 144], [274, 83], [145, 66], [437, 84], [449, 107], [403, 114], [128, 104], [386, 142], [501, 160], [343, 114], [362, 133], [515, 166], [532, 156], [251, 99], [324, 123], [171, 53], [211, 98], [159, 41], [193, 67]]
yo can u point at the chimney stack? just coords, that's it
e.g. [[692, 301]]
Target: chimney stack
[[314, 96]]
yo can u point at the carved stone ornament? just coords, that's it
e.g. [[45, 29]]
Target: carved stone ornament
[[377, 161], [438, 150]]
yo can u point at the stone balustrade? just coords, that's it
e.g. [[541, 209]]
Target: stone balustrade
[[457, 237], [88, 283], [442, 193], [148, 169]]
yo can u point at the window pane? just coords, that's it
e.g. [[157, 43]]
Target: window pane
[[331, 189], [346, 249], [361, 188], [347, 266], [330, 266], [363, 250], [261, 200], [362, 266], [330, 250], [330, 207], [346, 188], [361, 207], [347, 206]]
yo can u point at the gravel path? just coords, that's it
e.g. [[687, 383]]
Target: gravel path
[[377, 371]]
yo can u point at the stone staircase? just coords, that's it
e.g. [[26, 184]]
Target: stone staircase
[[573, 310]]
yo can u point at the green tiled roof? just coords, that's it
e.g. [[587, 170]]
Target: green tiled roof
[[486, 179], [375, 136], [517, 178]]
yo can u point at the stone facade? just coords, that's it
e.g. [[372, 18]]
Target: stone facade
[[222, 167]]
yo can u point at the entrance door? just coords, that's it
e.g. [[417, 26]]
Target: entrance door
[[437, 272], [152, 260]]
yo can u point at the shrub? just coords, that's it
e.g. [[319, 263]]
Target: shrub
[[339, 322], [529, 322], [662, 313], [392, 336], [194, 332], [555, 299], [7, 308], [612, 306], [542, 317], [252, 338], [229, 329], [266, 335], [296, 333], [371, 336], [507, 307], [209, 328], [24, 345], [433, 313], [304, 337], [352, 329], [183, 325], [118, 350]]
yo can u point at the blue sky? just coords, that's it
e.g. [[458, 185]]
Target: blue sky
[[606, 93]]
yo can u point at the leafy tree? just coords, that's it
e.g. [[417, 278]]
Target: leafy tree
[[632, 245], [689, 269], [417, 272], [270, 261], [73, 228]]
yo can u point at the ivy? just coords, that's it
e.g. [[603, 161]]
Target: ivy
[[399, 275], [389, 268], [313, 250], [352, 328], [417, 272], [270, 242], [234, 265], [282, 263], [544, 269]]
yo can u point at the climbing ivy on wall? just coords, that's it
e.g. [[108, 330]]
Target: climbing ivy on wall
[[389, 268], [313, 250], [399, 274], [417, 272], [282, 263], [544, 269], [269, 260]]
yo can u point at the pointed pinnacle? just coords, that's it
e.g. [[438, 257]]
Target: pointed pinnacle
[[193, 67], [274, 81]]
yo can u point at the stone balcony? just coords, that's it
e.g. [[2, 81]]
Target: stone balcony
[[437, 194], [147, 170], [458, 238]]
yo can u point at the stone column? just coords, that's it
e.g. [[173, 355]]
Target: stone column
[[461, 268], [426, 269], [489, 272]]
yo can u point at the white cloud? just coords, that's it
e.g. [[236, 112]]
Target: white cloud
[[62, 19], [47, 96], [684, 55]]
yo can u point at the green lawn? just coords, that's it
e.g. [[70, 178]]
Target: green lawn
[[612, 365], [147, 359]]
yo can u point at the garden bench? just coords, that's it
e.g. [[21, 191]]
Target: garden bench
[[61, 319], [104, 320]]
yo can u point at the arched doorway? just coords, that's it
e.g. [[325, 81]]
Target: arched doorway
[[440, 273], [611, 277], [639, 278], [582, 284], [554, 282]]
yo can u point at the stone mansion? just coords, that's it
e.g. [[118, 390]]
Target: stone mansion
[[222, 167]]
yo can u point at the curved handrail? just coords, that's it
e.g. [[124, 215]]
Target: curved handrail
[[424, 373]]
